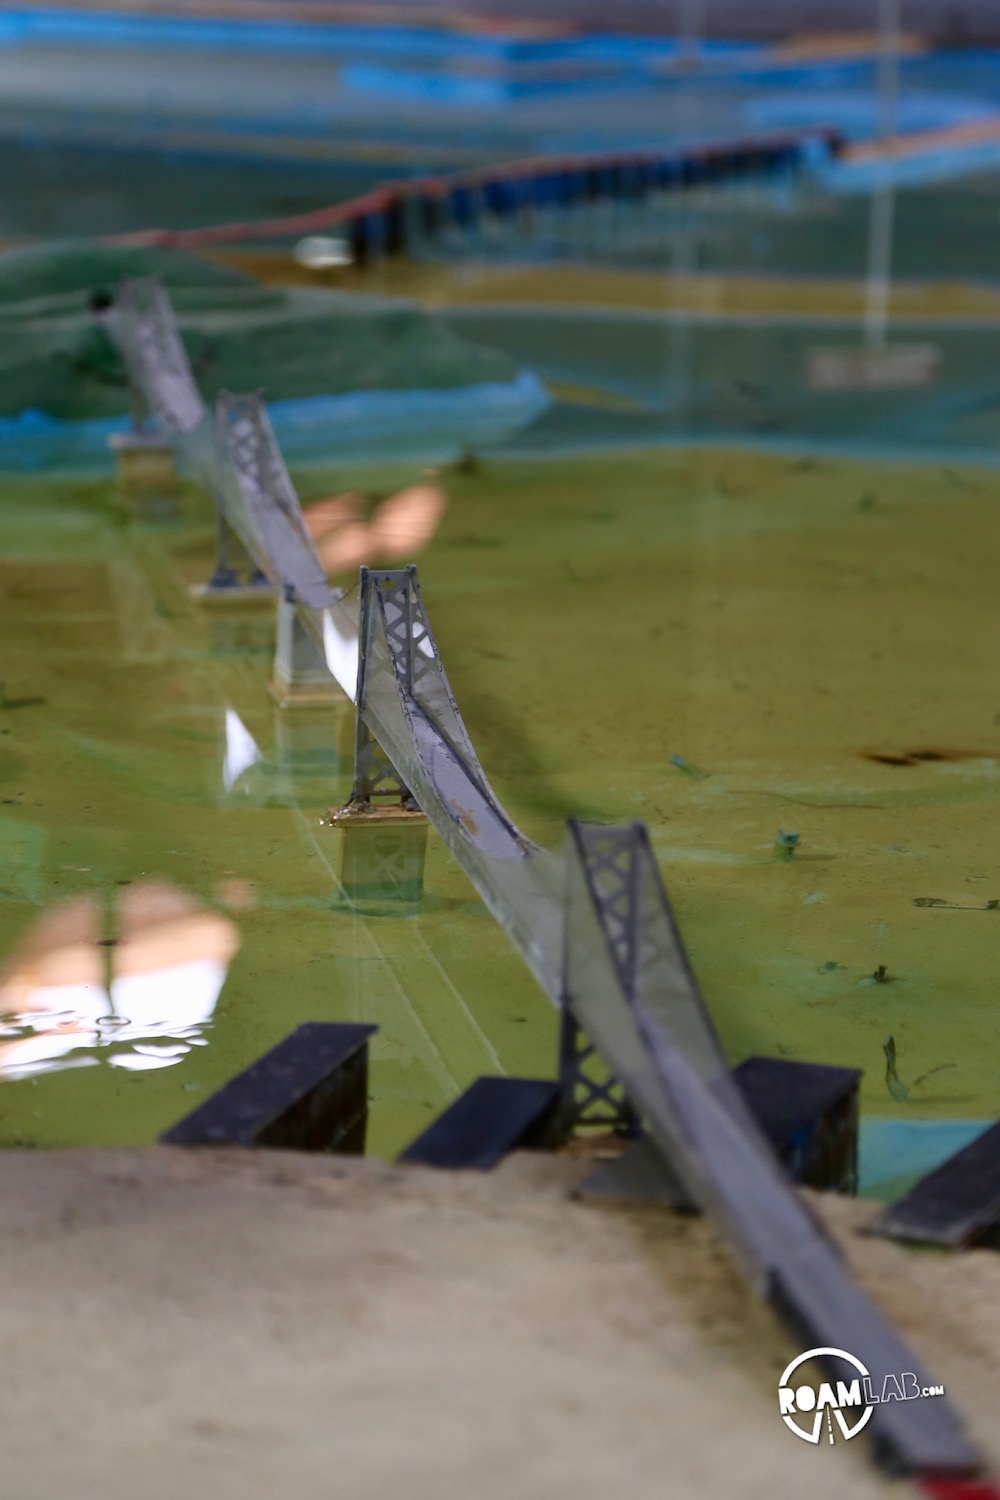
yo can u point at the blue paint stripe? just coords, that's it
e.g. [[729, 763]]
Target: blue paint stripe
[[470, 89], [633, 57], [106, 29]]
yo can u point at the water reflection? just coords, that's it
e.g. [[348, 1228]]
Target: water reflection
[[398, 528], [308, 751], [382, 860], [241, 750], [134, 986]]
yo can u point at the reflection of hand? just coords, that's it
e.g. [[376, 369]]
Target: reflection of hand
[[398, 529], [405, 523], [345, 550], [59, 951], [324, 516], [169, 959]]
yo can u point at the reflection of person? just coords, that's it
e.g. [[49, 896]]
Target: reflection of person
[[85, 374], [96, 354]]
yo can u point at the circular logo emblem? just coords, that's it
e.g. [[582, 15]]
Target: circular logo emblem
[[804, 1409]]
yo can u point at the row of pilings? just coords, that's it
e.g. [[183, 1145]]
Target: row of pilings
[[409, 216]]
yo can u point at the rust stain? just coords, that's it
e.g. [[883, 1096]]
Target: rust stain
[[466, 819]]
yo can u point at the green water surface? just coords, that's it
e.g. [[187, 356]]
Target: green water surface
[[774, 623]]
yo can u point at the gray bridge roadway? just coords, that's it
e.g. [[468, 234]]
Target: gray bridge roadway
[[594, 925]]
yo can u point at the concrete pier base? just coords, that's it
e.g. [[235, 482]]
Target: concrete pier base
[[301, 678], [144, 465], [234, 595], [382, 852]]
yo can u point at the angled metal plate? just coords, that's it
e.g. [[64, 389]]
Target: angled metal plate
[[956, 1204]]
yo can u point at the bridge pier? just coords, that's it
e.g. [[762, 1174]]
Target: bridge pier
[[589, 1095], [146, 472], [300, 677], [225, 585], [382, 855]]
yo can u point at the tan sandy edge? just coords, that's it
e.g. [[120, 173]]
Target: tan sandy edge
[[360, 13], [917, 142], [230, 1324], [569, 286], [829, 45]]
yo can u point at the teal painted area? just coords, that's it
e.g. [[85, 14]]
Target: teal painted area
[[356, 376], [893, 1154], [736, 379], [427, 424]]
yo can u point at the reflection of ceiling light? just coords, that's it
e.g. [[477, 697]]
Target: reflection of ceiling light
[[167, 1002], [55, 1005], [320, 252], [44, 1052], [145, 1056], [169, 963], [340, 648], [241, 750]]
